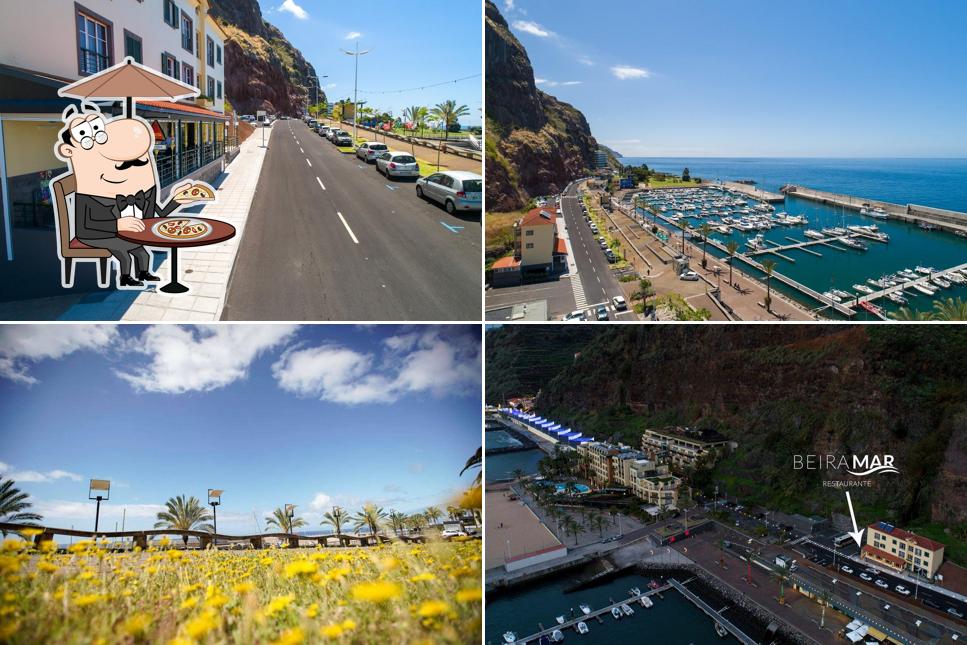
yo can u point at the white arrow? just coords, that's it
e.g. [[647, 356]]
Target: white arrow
[[856, 535]]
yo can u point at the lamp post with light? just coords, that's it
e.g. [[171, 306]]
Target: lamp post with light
[[356, 54], [100, 489], [290, 513], [214, 500]]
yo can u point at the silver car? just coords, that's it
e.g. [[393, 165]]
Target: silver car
[[342, 139], [456, 190], [369, 150], [397, 164]]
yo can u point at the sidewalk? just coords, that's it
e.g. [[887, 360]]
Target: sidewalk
[[207, 269]]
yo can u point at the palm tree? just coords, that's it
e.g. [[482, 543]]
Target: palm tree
[[449, 112], [824, 598], [682, 224], [905, 314], [397, 521], [782, 575], [417, 114], [453, 512], [416, 521], [14, 504], [285, 523], [571, 526], [950, 309], [704, 229], [335, 518], [518, 474], [433, 514], [186, 514], [768, 266], [732, 246], [475, 461], [371, 517]]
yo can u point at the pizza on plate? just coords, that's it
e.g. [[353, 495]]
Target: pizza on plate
[[195, 193], [182, 229]]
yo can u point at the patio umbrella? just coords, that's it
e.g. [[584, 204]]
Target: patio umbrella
[[125, 82]]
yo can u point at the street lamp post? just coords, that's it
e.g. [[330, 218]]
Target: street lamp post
[[100, 489], [214, 500], [356, 54], [290, 513]]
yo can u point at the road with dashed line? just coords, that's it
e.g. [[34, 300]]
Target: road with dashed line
[[329, 238]]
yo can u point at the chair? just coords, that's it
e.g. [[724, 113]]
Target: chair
[[71, 249]]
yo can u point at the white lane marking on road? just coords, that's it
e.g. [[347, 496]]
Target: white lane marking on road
[[580, 300], [349, 230], [309, 162], [391, 187], [302, 151], [321, 185]]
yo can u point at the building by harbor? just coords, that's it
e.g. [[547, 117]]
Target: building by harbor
[[898, 549], [610, 465], [538, 250], [47, 44], [683, 448]]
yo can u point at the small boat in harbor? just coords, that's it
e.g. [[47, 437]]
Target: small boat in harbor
[[940, 282], [560, 620], [845, 295], [924, 289], [720, 630], [557, 636], [616, 613], [510, 637], [627, 610], [585, 609], [897, 298], [854, 244], [954, 277], [756, 243], [925, 270], [634, 591], [831, 296], [926, 226], [646, 602], [816, 235], [862, 288], [583, 628], [877, 212]]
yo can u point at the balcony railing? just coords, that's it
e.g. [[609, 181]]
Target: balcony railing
[[172, 167]]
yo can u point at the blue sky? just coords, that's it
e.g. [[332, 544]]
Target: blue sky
[[317, 416], [412, 44], [757, 78]]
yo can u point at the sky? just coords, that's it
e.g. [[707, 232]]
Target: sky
[[811, 78], [411, 45], [316, 416]]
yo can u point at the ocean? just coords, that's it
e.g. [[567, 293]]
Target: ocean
[[940, 183], [502, 466]]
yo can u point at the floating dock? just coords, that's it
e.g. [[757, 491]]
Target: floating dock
[[869, 297]]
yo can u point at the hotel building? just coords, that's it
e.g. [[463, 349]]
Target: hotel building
[[46, 44], [899, 549], [609, 465], [683, 448], [537, 249]]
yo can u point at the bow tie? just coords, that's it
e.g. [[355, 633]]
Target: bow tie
[[140, 199]]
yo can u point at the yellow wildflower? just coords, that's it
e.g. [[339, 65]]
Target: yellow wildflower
[[47, 546], [293, 636], [13, 544], [244, 587], [423, 577], [49, 567], [9, 629], [217, 600], [469, 595], [9, 596], [189, 602], [278, 603], [136, 625], [30, 532], [312, 610], [432, 608], [85, 575], [348, 625], [300, 568], [331, 631], [175, 554], [87, 599], [164, 541], [201, 624], [376, 591]]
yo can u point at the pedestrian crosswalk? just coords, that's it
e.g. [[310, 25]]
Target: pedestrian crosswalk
[[580, 300]]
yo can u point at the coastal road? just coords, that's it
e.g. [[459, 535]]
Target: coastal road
[[597, 281], [329, 238]]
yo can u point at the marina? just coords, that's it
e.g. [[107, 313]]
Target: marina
[[822, 251]]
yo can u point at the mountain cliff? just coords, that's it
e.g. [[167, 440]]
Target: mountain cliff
[[780, 391], [535, 143], [263, 71]]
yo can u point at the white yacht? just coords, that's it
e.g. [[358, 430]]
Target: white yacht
[[940, 282], [816, 235], [583, 628], [925, 270], [616, 613], [584, 609], [956, 278], [646, 602], [897, 298], [510, 637], [756, 243], [831, 296], [924, 289], [862, 288], [557, 636], [628, 611], [845, 295], [560, 620]]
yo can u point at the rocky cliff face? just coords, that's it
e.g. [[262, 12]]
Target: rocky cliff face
[[263, 71], [778, 392], [535, 143]]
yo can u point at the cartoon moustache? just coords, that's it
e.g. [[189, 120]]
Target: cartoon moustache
[[124, 165]]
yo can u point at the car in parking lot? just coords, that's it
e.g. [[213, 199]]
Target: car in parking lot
[[612, 258], [882, 584], [845, 569], [397, 164], [342, 138], [332, 132], [902, 590], [456, 190], [953, 611], [324, 130], [573, 316], [369, 150], [601, 312], [690, 276], [865, 576], [619, 303]]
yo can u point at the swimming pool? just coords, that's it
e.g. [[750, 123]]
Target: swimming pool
[[561, 488]]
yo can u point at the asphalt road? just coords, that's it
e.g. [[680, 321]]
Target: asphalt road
[[329, 238], [594, 271]]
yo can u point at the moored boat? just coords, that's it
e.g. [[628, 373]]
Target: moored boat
[[616, 613], [924, 289], [585, 609], [582, 628], [557, 636], [627, 610], [510, 637], [862, 288], [816, 235]]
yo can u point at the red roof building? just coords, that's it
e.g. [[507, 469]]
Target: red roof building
[[901, 549]]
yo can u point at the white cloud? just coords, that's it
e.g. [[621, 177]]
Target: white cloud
[[35, 476], [24, 345], [540, 81], [624, 72], [584, 60], [532, 28], [571, 83], [321, 502], [68, 510], [289, 6], [330, 86], [353, 35], [185, 359], [508, 5], [413, 363]]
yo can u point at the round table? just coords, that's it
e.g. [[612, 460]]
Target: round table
[[220, 232]]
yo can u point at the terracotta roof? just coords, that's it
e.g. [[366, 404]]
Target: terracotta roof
[[181, 107], [509, 262], [560, 247], [883, 555], [900, 534], [536, 217]]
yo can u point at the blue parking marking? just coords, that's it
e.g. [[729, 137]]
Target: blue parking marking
[[391, 187], [452, 229]]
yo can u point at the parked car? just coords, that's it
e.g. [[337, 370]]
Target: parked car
[[845, 569], [452, 533], [612, 258], [397, 164], [369, 150], [865, 576], [574, 315], [619, 303], [332, 133], [342, 138], [456, 190], [323, 130], [882, 584], [902, 590], [690, 276], [953, 611], [602, 312]]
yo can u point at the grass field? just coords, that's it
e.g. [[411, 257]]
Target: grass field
[[499, 231], [670, 183], [395, 593]]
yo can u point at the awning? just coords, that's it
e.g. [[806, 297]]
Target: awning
[[26, 91], [178, 109]]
